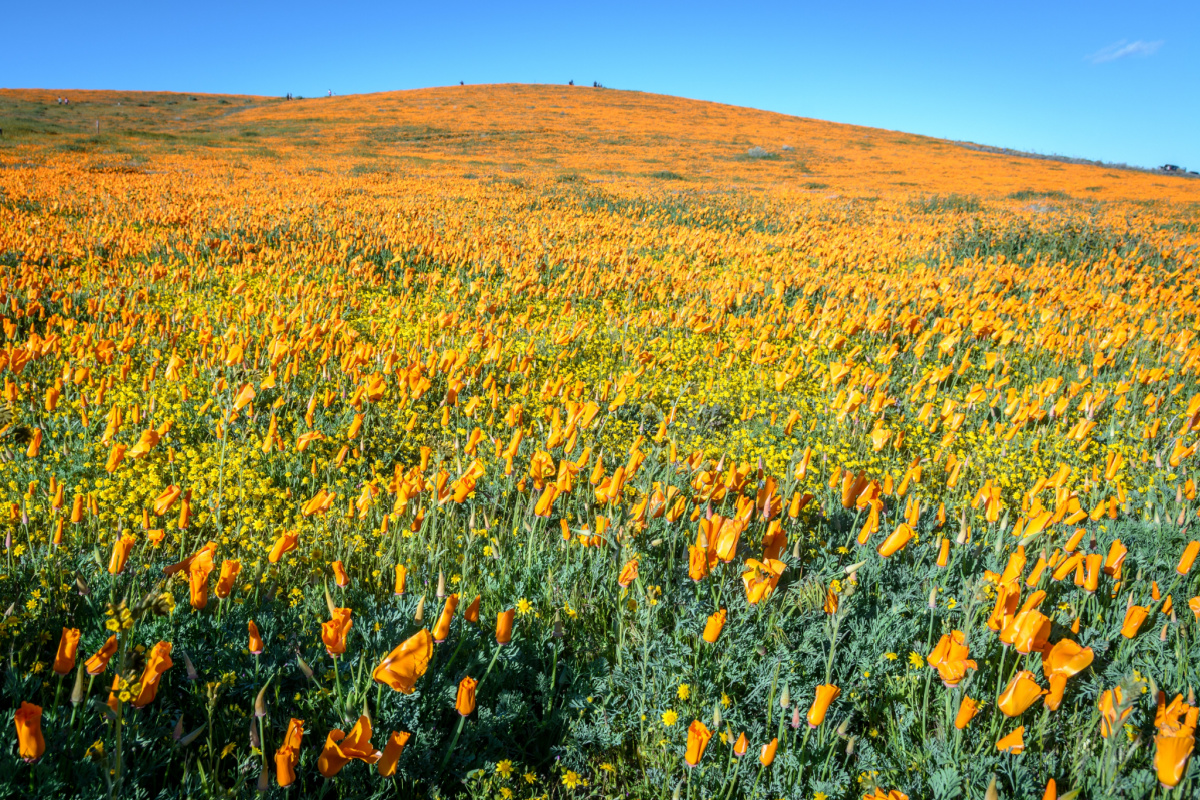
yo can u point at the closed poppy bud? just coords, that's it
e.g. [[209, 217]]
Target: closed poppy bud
[[464, 701], [1134, 617], [339, 575], [401, 578], [826, 694], [712, 628], [739, 747], [1013, 742], [333, 633], [256, 642], [401, 668], [30, 744], [1051, 790], [386, 767], [441, 630], [697, 741], [229, 573], [768, 753], [68, 645], [967, 709], [1020, 694], [472, 613], [1188, 558], [628, 574], [99, 662], [504, 626]]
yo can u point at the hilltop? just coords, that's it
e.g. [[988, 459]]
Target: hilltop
[[568, 133]]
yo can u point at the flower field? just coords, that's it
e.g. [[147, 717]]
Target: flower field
[[529, 442]]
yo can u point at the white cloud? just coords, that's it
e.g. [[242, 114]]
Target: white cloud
[[1124, 48]]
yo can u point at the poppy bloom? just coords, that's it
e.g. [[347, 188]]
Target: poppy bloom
[[1028, 631], [341, 748], [967, 709], [1065, 660], [30, 744], [697, 562], [1113, 710], [895, 541], [205, 552], [504, 626], [712, 628], [1134, 617], [943, 553], [760, 578], [256, 642], [1013, 743], [739, 747], [464, 700], [441, 630], [878, 794], [391, 753], [768, 753], [697, 740], [1051, 790], [68, 645], [288, 754], [401, 668], [826, 694], [198, 574], [1114, 559], [229, 573], [401, 578], [629, 573], [339, 575], [1188, 558], [333, 633], [158, 662], [1020, 694], [949, 658], [286, 543], [728, 537], [162, 503], [120, 554], [1171, 754], [99, 662]]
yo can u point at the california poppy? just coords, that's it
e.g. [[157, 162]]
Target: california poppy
[[698, 736], [826, 694], [99, 662], [472, 613], [158, 662], [760, 578], [340, 748], [68, 645], [768, 753], [339, 575], [1134, 617], [286, 542], [401, 578], [896, 540], [441, 630], [256, 642], [464, 700], [404, 665], [740, 746], [333, 633], [1013, 742], [1064, 660], [1113, 710], [1188, 558], [198, 574], [949, 658], [1171, 754], [120, 554], [628, 574], [967, 709], [504, 626], [1019, 694], [225, 581], [386, 767], [287, 757], [712, 628], [30, 743]]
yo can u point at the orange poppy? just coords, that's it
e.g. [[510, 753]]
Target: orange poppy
[[949, 658], [68, 646], [967, 709], [287, 757], [1019, 694], [441, 630], [698, 736], [256, 642], [30, 743], [341, 748], [333, 633], [404, 665], [826, 694], [120, 554], [99, 662], [339, 574], [229, 573], [768, 752], [464, 700], [504, 626], [712, 628], [158, 662], [1013, 743], [628, 574], [391, 753]]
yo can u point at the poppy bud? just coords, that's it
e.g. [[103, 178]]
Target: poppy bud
[[419, 615]]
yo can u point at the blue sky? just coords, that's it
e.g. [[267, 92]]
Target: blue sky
[[1111, 81]]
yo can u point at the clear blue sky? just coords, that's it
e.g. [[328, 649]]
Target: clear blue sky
[[1103, 80]]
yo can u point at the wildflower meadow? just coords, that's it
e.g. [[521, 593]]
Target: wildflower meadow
[[549, 442]]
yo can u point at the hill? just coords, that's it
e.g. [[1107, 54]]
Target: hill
[[558, 131]]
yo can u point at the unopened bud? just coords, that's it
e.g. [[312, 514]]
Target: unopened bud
[[717, 715], [796, 718], [329, 601], [255, 739], [844, 728], [264, 781], [304, 667], [850, 745], [177, 734], [191, 668], [260, 702], [419, 616], [992, 793], [785, 699], [77, 691], [441, 587], [933, 597]]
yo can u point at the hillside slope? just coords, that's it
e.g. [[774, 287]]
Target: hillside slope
[[568, 132]]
